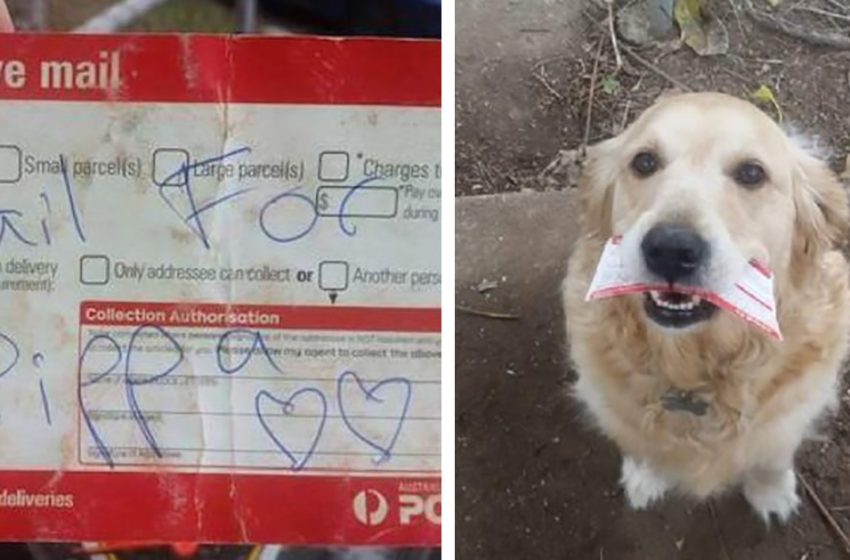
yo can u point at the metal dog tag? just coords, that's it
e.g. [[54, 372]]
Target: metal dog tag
[[683, 401]]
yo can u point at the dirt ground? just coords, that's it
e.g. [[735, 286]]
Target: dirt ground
[[524, 71], [533, 481]]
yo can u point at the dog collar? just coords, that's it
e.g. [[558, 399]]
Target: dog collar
[[677, 400]]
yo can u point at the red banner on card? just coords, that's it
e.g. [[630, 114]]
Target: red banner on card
[[220, 69]]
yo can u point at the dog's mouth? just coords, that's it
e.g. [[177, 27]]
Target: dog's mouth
[[675, 309]]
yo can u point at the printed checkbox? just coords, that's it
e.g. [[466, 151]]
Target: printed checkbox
[[10, 164], [94, 270], [333, 275], [333, 166], [168, 166]]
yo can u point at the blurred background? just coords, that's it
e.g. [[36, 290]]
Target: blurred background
[[395, 18], [387, 18]]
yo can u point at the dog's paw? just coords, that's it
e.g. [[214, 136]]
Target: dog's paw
[[772, 493], [642, 485]]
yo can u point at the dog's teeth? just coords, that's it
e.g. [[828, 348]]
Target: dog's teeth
[[683, 306]]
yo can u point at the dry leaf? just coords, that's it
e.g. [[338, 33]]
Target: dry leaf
[[764, 95], [706, 36]]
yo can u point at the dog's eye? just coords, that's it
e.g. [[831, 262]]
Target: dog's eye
[[645, 164], [750, 174]]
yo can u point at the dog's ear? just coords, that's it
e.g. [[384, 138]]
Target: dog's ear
[[821, 207], [597, 188]]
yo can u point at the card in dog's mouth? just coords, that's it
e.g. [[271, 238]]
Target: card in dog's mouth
[[750, 296]]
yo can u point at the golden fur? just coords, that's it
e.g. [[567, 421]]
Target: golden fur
[[764, 395]]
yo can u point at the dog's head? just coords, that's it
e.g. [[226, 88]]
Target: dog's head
[[698, 186]]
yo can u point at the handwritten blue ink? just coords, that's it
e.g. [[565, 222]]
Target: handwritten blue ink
[[14, 348], [6, 223], [288, 407], [184, 169], [37, 360], [44, 403], [291, 194], [215, 202], [195, 212], [44, 227], [130, 384], [101, 446], [258, 342], [385, 450], [71, 203], [344, 204]]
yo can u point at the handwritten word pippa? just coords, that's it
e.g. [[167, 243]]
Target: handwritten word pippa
[[390, 398], [101, 72]]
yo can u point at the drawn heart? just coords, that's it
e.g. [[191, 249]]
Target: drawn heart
[[371, 394], [289, 407]]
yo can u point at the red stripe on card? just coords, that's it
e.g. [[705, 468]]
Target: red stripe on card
[[754, 297], [723, 304], [761, 268], [219, 69], [216, 508], [644, 287], [217, 315]]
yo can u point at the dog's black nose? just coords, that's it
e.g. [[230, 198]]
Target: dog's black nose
[[673, 251]]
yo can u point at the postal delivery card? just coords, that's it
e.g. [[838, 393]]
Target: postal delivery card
[[219, 289]]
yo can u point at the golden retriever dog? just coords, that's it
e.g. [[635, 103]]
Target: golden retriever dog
[[699, 182]]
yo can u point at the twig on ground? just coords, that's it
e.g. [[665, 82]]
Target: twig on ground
[[718, 531], [826, 13], [738, 75], [613, 33], [541, 77], [737, 13], [589, 115], [821, 38], [647, 64], [838, 5], [488, 314], [824, 511]]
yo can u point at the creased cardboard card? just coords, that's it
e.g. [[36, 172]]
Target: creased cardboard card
[[220, 289], [750, 297]]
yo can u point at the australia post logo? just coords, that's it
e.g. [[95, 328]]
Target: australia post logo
[[374, 508]]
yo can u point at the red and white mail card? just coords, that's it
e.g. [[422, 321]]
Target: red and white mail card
[[220, 289], [748, 296]]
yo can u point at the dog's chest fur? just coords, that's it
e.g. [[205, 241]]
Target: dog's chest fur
[[738, 390], [688, 393]]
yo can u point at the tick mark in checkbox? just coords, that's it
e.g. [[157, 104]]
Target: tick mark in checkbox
[[10, 163], [167, 166], [333, 166], [94, 270]]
